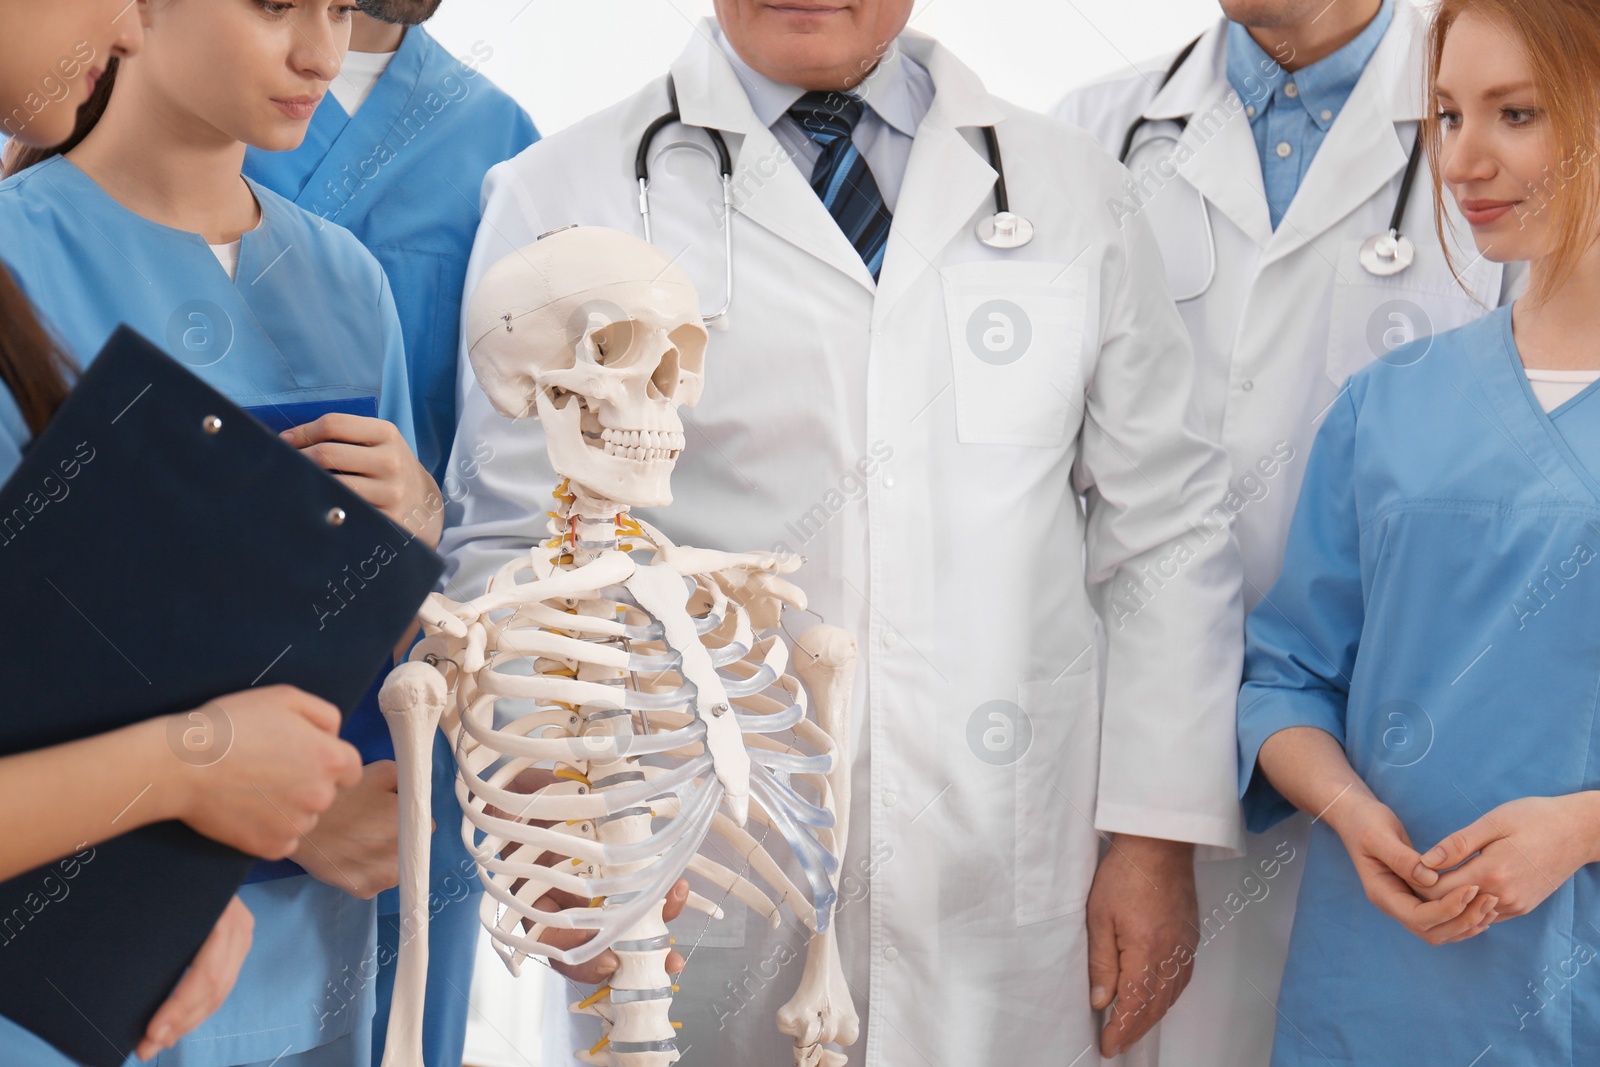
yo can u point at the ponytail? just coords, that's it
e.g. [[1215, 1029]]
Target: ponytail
[[32, 365]]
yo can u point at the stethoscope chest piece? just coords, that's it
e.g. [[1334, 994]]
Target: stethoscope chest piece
[[1387, 254], [1004, 229]]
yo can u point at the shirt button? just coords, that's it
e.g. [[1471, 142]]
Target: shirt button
[[1284, 149], [1250, 112], [1247, 385], [889, 799], [1326, 115], [890, 639], [1291, 90], [891, 953]]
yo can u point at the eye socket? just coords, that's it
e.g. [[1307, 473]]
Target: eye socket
[[690, 340], [612, 344]]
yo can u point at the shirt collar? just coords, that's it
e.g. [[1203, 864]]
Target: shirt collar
[[1324, 86], [887, 90]]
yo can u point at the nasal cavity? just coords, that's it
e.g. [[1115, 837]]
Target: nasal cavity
[[664, 382]]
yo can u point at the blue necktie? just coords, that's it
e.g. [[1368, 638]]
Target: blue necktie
[[841, 176]]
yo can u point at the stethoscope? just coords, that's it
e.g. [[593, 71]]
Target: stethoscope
[[1382, 255], [1003, 230]]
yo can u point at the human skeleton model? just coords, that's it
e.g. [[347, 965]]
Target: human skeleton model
[[648, 685]]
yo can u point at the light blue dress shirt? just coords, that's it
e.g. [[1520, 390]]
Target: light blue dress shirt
[[898, 94], [1290, 113]]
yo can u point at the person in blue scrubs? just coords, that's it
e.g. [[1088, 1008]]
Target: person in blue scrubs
[[1423, 677], [397, 153], [50, 60], [148, 220]]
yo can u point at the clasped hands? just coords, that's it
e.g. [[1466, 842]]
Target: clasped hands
[[1499, 867]]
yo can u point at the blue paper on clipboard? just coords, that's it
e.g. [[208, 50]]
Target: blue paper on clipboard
[[281, 417]]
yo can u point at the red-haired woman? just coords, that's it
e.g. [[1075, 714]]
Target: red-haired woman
[[1424, 677]]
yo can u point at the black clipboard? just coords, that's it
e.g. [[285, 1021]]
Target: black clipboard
[[159, 548]]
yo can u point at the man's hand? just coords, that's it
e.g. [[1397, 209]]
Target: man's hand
[[1517, 854], [355, 846], [1143, 929], [1394, 878], [603, 966]]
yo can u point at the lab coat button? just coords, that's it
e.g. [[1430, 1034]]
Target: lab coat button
[[888, 481], [890, 639], [891, 953], [888, 800], [1247, 385], [1284, 149]]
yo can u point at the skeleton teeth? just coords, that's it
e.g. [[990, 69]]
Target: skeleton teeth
[[643, 445]]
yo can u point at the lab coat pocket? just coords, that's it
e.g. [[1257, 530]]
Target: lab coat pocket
[[1056, 781], [1371, 317], [1018, 332]]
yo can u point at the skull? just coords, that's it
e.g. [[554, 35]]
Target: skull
[[598, 333]]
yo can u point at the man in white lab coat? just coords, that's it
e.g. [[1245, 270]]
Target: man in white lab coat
[[1272, 154], [977, 450]]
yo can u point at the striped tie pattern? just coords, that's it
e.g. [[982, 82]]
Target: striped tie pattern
[[841, 176]]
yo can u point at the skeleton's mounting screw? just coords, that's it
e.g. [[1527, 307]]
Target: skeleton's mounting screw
[[211, 424], [336, 516], [507, 318], [719, 710]]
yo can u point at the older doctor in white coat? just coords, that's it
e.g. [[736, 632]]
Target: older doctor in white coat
[[1279, 317], [976, 450]]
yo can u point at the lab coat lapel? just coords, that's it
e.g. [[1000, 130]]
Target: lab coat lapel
[[948, 177], [1216, 152], [372, 124], [1363, 151], [768, 187]]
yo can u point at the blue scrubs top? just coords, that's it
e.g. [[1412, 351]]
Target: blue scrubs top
[[404, 175], [309, 318], [1439, 614]]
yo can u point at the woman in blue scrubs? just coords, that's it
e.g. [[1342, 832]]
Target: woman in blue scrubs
[[147, 220], [1424, 678], [284, 740]]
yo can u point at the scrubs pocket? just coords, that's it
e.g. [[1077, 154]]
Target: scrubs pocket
[[1017, 336], [1057, 779]]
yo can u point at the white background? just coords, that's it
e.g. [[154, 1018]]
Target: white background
[[564, 59]]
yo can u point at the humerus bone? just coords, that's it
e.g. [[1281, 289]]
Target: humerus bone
[[821, 1011], [412, 700]]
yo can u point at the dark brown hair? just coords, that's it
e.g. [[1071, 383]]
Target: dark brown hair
[[32, 365]]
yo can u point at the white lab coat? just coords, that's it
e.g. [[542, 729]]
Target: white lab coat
[[936, 497], [1290, 315]]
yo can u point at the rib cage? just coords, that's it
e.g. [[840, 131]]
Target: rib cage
[[615, 711]]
